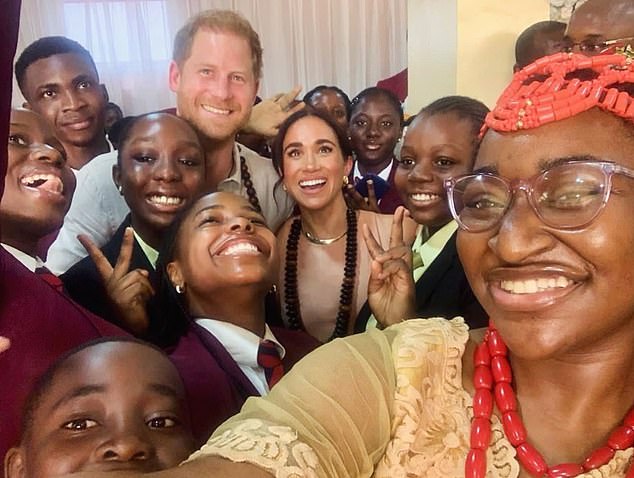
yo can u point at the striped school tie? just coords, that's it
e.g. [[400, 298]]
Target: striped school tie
[[269, 359]]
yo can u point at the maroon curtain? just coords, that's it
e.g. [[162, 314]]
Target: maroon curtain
[[9, 22]]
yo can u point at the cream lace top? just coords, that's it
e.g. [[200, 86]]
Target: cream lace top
[[384, 404]]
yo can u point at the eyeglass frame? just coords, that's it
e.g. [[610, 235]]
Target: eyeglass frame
[[605, 45], [608, 169]]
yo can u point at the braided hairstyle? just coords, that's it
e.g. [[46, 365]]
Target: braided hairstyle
[[563, 85]]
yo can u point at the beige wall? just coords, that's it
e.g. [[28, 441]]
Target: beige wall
[[464, 46]]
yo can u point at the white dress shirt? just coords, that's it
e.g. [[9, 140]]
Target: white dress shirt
[[243, 345], [30, 262]]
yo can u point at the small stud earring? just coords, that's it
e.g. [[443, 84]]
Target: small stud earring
[[180, 289], [120, 189], [284, 187], [345, 180]]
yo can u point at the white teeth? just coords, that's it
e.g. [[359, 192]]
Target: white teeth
[[53, 183], [424, 197], [218, 111], [240, 248], [312, 182], [532, 286], [373, 147], [166, 200]]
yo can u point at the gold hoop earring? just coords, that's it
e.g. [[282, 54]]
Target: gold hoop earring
[[345, 180]]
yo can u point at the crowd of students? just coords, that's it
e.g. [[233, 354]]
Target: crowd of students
[[163, 274]]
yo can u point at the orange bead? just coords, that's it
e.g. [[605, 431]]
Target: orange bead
[[505, 397], [531, 459], [565, 470], [480, 433], [482, 403], [496, 344], [598, 457], [514, 428], [621, 438], [481, 355], [482, 377], [476, 464]]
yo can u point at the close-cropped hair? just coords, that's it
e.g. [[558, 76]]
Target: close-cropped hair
[[462, 106], [218, 21], [375, 91], [525, 43], [278, 142], [45, 381], [318, 89], [46, 47]]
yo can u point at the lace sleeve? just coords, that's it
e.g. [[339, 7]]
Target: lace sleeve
[[329, 417]]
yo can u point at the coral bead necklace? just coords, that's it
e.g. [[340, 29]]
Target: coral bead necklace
[[492, 377]]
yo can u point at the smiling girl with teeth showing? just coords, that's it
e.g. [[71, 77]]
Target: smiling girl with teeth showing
[[325, 266], [440, 142], [218, 263], [160, 168]]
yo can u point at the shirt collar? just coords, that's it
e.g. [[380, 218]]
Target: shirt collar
[[151, 253], [30, 262], [383, 174], [242, 344], [438, 240], [236, 175]]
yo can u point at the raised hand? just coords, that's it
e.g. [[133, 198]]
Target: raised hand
[[128, 290], [356, 201], [267, 116], [391, 292]]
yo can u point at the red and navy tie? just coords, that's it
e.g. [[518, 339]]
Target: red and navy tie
[[45, 274], [269, 359]]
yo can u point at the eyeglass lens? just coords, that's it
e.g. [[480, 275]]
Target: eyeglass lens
[[566, 196]]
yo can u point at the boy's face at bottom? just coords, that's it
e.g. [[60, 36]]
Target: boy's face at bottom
[[113, 406]]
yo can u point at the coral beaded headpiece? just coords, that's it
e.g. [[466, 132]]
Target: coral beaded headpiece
[[562, 85]]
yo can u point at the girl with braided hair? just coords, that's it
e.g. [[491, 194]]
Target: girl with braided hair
[[547, 246]]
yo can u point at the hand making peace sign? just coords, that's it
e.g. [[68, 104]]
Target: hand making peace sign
[[391, 293], [128, 290]]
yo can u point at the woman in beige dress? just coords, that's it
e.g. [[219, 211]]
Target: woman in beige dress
[[324, 262]]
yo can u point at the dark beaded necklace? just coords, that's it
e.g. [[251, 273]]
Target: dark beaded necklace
[[291, 295], [248, 184]]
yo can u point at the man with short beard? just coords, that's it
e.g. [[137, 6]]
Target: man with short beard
[[215, 73]]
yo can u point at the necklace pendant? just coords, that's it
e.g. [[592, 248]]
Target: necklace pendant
[[323, 242]]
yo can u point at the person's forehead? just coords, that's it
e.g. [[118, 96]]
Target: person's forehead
[[162, 126], [209, 46], [222, 201], [64, 66], [592, 133], [35, 124], [609, 20], [310, 127]]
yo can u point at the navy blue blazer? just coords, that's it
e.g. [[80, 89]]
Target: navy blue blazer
[[84, 284]]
